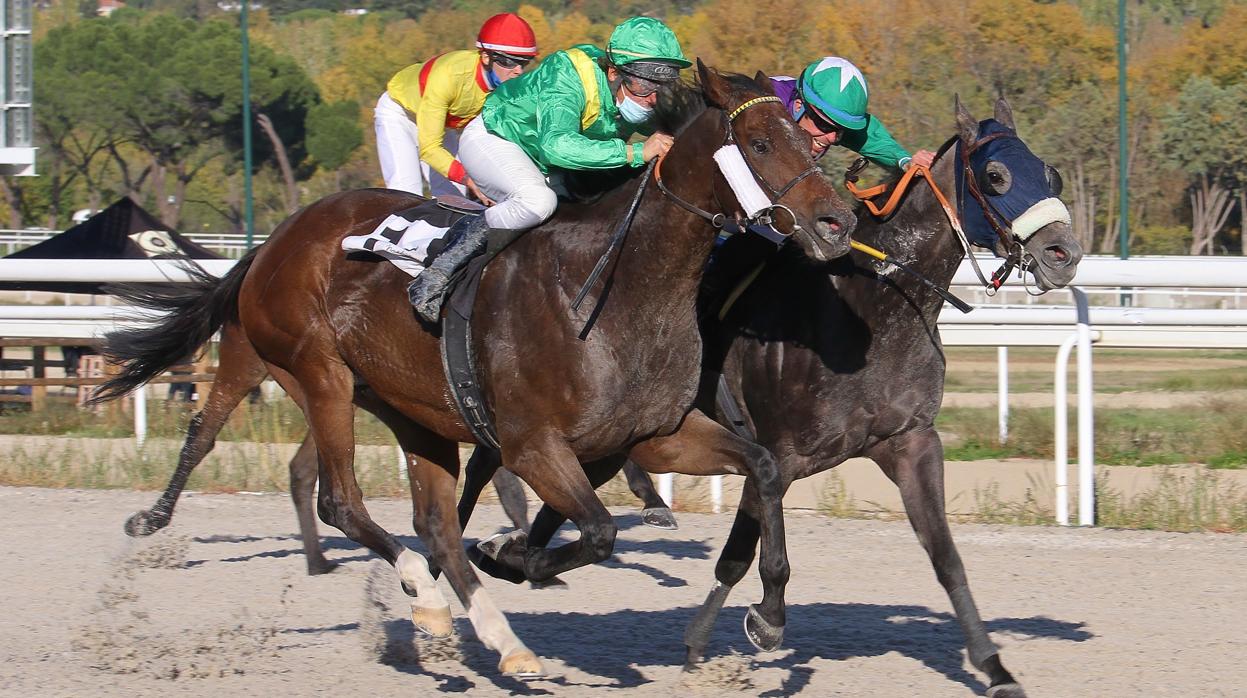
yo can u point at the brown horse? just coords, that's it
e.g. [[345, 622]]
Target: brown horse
[[334, 330], [851, 364]]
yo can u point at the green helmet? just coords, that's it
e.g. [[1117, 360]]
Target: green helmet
[[836, 89], [646, 48]]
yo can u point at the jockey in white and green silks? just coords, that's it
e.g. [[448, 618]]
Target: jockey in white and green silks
[[829, 101], [574, 111]]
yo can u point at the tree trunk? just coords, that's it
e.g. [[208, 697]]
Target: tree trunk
[[1242, 221], [158, 191], [283, 162], [1111, 227], [1211, 206], [12, 197], [1083, 214]]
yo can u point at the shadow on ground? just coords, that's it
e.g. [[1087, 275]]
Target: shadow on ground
[[827, 631]]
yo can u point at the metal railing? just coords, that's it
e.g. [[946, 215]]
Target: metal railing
[[1064, 327]]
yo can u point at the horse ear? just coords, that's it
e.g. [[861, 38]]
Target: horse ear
[[716, 89], [764, 81], [1004, 114], [967, 126]]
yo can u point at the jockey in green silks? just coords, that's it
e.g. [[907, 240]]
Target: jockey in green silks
[[574, 111], [829, 102]]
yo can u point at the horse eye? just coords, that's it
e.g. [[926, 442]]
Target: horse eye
[[999, 179], [760, 146], [1055, 183]]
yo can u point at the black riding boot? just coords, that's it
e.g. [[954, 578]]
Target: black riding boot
[[467, 239]]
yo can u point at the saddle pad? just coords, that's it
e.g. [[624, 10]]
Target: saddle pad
[[407, 237]]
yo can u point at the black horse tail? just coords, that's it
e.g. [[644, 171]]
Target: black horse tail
[[193, 312]]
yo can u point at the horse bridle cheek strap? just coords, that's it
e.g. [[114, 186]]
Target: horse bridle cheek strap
[[746, 184]]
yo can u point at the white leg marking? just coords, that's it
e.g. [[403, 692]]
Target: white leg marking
[[491, 626], [413, 570]]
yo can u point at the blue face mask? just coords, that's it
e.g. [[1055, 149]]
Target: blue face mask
[[634, 113], [492, 79]]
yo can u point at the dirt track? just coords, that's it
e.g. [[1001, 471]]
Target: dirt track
[[218, 605]]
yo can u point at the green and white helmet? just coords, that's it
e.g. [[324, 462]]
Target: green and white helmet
[[646, 48], [836, 89]]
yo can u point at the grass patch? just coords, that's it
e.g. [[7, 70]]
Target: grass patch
[[973, 370], [990, 508], [1189, 500], [276, 421], [1215, 434]]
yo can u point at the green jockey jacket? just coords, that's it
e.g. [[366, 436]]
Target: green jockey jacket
[[563, 114], [872, 142]]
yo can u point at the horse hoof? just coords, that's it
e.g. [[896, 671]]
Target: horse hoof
[[659, 517], [762, 634], [521, 664], [553, 583], [1006, 690], [495, 546], [434, 622], [144, 523], [494, 556], [693, 658], [319, 567]]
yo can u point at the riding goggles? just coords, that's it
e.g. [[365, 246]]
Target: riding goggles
[[508, 62], [640, 87]]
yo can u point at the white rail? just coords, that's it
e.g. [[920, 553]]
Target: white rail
[[104, 270], [989, 325]]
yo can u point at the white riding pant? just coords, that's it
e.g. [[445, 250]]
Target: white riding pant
[[398, 148], [506, 174]]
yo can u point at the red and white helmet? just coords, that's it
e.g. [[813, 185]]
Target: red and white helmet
[[507, 33]]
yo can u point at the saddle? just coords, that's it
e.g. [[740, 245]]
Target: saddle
[[392, 240]]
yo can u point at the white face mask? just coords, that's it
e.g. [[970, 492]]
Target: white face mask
[[634, 113]]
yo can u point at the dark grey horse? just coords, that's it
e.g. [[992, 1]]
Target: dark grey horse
[[851, 364]]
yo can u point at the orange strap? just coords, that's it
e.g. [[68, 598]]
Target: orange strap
[[865, 195]]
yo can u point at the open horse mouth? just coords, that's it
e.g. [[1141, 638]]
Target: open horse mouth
[[1052, 255], [831, 235]]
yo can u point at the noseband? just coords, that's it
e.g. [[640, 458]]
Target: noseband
[[1015, 256], [761, 220]]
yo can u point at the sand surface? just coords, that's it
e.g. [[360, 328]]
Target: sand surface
[[218, 604]]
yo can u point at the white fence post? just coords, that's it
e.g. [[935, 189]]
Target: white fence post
[[1086, 414], [140, 415], [716, 493], [1002, 392], [1060, 429]]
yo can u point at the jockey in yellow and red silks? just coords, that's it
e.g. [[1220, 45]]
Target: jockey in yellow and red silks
[[425, 105]]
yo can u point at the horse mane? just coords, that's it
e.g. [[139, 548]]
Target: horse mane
[[681, 102]]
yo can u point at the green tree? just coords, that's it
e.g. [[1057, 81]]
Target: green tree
[[1204, 132], [333, 134], [172, 87]]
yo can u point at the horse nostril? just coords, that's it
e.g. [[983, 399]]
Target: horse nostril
[[835, 223], [1059, 255]]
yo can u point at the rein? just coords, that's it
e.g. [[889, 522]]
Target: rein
[[761, 221], [865, 196]]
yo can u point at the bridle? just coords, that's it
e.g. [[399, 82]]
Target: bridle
[[761, 221], [1015, 256]]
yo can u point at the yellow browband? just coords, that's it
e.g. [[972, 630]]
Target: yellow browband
[[750, 103]]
